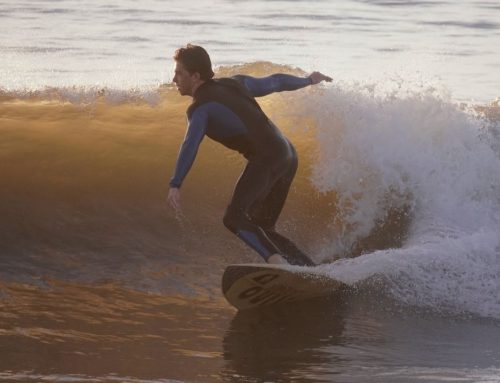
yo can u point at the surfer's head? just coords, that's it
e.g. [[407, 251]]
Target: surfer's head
[[192, 68]]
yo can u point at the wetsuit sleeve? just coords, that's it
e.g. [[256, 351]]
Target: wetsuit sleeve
[[197, 126], [275, 83]]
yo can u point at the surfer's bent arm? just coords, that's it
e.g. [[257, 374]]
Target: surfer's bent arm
[[197, 126], [278, 82]]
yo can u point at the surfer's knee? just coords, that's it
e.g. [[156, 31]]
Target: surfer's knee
[[228, 223], [232, 220]]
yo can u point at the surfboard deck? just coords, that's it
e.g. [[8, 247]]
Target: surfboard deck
[[247, 286]]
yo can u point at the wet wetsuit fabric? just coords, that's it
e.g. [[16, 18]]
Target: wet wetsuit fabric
[[226, 111]]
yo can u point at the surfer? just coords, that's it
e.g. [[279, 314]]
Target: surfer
[[225, 110]]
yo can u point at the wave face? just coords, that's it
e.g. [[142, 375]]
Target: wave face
[[398, 176]]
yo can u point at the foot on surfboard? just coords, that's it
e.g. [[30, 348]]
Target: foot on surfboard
[[298, 260]]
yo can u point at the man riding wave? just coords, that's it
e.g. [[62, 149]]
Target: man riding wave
[[226, 111]]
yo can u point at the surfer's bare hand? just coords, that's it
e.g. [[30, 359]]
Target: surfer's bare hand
[[317, 77], [174, 199]]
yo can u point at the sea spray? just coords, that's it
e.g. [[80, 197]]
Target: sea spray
[[421, 152]]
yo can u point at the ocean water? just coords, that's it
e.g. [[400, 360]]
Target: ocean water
[[124, 44], [397, 193]]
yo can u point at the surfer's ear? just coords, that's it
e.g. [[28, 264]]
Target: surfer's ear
[[196, 76]]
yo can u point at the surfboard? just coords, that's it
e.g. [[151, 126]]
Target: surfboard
[[247, 286]]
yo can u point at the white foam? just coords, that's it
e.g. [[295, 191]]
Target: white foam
[[85, 95], [414, 147]]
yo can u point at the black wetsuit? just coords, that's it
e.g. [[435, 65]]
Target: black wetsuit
[[226, 111]]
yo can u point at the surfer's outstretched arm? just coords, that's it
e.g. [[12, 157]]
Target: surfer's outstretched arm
[[279, 82]]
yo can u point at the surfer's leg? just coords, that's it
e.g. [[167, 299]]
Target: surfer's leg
[[251, 186], [266, 210]]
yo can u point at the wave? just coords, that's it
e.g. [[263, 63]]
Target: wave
[[400, 177], [439, 164]]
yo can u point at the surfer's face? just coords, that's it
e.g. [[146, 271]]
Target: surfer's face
[[185, 81]]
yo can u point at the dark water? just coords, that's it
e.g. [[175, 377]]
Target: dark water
[[104, 333]]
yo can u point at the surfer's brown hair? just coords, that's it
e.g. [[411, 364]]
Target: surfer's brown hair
[[195, 59]]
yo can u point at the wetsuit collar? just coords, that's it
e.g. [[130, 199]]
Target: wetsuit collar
[[201, 86]]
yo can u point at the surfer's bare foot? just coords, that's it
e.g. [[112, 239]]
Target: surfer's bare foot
[[277, 260]]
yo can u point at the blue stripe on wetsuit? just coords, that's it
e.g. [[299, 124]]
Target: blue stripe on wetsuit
[[223, 122]]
